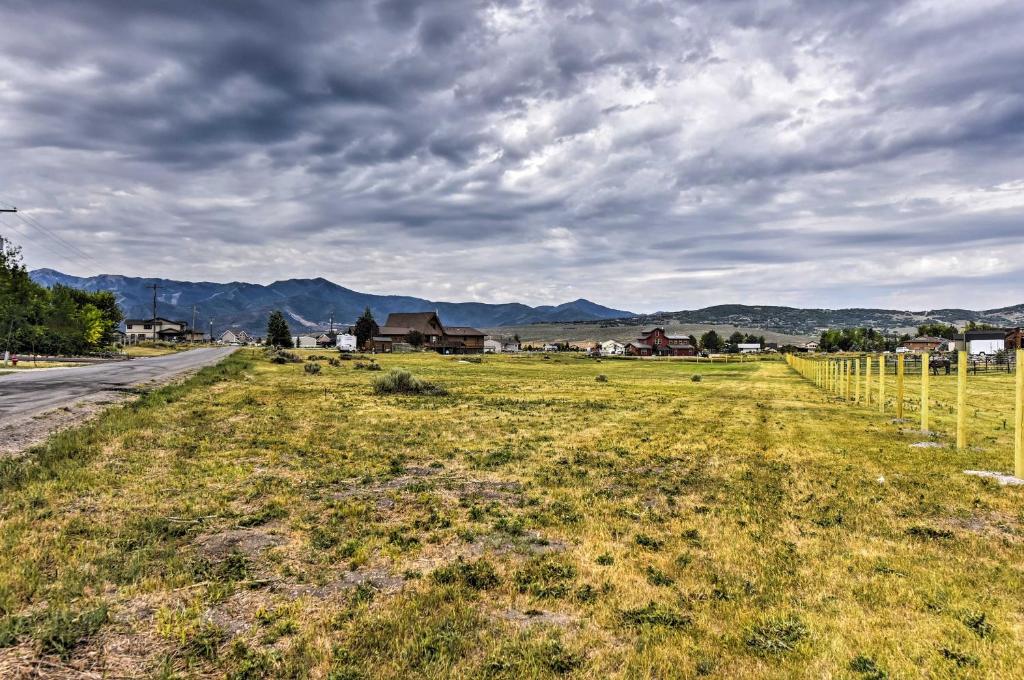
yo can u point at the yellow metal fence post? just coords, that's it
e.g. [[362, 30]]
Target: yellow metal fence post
[[925, 377], [961, 399], [1018, 427], [847, 378], [899, 386]]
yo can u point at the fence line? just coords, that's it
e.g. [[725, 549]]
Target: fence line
[[850, 379]]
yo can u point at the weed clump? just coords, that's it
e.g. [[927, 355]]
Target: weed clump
[[867, 667], [696, 377], [930, 533], [648, 542], [312, 369], [777, 635], [655, 615], [479, 575], [601, 378], [545, 578], [605, 560], [403, 382]]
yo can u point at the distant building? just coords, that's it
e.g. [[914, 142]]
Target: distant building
[[748, 347], [230, 337], [511, 346], [985, 342], [346, 342], [613, 348], [434, 334], [810, 346], [656, 342], [141, 330], [550, 347], [924, 343], [492, 347], [1014, 339], [304, 341]]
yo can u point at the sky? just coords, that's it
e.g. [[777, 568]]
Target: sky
[[642, 154]]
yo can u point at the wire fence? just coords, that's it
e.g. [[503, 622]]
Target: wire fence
[[978, 400]]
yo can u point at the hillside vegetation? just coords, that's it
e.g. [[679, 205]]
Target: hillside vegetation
[[527, 520]]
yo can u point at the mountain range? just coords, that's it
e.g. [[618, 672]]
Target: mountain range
[[308, 304]]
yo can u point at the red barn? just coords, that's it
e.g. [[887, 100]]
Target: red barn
[[656, 342]]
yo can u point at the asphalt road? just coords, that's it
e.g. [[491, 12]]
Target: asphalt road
[[29, 393]]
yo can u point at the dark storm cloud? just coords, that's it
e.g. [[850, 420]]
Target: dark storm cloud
[[648, 154]]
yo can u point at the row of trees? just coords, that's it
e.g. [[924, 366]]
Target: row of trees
[[712, 342], [871, 340], [58, 320]]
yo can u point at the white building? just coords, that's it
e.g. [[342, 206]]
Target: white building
[[510, 347], [346, 342], [749, 347], [550, 347], [986, 342], [612, 348], [492, 347], [304, 341]]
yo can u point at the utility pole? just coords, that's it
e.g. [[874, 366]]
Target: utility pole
[[154, 287], [11, 210], [332, 324], [211, 330], [192, 328]]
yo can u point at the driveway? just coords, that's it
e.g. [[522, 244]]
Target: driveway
[[31, 393]]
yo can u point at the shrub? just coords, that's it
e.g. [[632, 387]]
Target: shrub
[[403, 382], [370, 365], [316, 357], [280, 356], [334, 362], [601, 378], [312, 369], [648, 542], [696, 377]]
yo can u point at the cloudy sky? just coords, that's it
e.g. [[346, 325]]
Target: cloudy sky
[[647, 155]]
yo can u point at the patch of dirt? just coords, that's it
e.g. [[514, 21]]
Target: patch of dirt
[[19, 436], [250, 542], [378, 579], [536, 617], [992, 525], [235, 614]]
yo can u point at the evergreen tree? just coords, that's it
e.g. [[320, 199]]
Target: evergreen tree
[[278, 332], [366, 328]]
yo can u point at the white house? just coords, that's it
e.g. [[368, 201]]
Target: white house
[[346, 342], [612, 347], [492, 347], [304, 340], [550, 347], [229, 338], [748, 347], [510, 347]]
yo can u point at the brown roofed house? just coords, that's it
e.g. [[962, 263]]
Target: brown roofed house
[[435, 335]]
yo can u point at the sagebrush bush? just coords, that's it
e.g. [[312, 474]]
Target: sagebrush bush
[[312, 369], [696, 377], [333, 362], [280, 356], [601, 378], [316, 357], [403, 382], [370, 365]]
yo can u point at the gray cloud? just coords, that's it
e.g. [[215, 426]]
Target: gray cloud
[[645, 154]]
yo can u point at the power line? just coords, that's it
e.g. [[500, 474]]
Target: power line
[[36, 224], [28, 237]]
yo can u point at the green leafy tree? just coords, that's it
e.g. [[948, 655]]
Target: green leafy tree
[[414, 338], [711, 342], [278, 332], [366, 328]]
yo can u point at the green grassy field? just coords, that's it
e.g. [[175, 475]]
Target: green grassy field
[[260, 521]]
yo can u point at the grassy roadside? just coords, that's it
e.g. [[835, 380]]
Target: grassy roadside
[[262, 521]]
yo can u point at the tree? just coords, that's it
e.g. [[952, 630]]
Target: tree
[[711, 342], [278, 332], [939, 330], [693, 341], [414, 338], [734, 341], [366, 328]]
